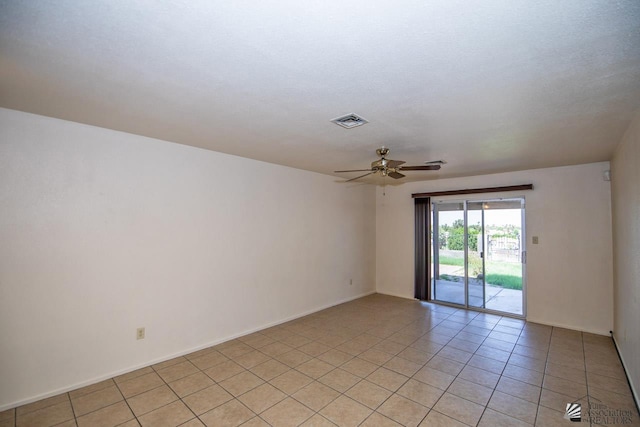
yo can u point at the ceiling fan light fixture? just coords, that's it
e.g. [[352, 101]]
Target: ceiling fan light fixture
[[350, 121]]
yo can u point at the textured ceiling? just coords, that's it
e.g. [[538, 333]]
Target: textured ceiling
[[487, 86]]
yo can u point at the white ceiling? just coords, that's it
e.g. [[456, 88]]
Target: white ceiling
[[488, 86]]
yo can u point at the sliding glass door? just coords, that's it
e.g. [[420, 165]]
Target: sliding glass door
[[448, 253], [505, 255], [477, 254]]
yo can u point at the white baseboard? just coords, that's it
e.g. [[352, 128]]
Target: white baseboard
[[572, 327], [178, 354], [634, 390], [528, 319], [395, 295]]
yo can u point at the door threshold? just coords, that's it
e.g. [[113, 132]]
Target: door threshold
[[480, 309]]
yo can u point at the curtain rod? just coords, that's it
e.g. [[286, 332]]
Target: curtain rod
[[473, 191]]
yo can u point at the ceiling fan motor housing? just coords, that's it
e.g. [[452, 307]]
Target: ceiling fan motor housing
[[382, 151], [379, 164]]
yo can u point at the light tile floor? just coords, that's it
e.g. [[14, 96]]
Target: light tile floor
[[376, 361]]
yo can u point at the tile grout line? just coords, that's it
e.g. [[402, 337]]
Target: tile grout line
[[546, 361], [126, 401], [586, 377], [380, 366], [448, 342], [501, 372], [169, 387], [73, 410], [335, 368], [456, 376], [538, 402], [494, 388], [408, 379], [435, 354]]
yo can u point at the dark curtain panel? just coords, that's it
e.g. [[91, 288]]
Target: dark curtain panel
[[422, 248]]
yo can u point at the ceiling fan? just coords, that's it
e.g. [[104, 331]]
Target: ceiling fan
[[392, 168]]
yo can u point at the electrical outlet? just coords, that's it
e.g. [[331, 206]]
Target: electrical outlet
[[140, 334], [534, 240]]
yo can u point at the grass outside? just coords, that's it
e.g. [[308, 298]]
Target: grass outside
[[507, 282], [450, 260], [505, 274]]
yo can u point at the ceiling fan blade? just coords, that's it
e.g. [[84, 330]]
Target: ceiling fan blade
[[358, 177], [395, 163], [354, 170], [420, 168], [396, 175]]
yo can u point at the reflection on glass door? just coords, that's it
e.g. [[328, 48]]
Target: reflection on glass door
[[477, 250]]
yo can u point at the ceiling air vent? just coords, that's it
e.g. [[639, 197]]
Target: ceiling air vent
[[350, 121]]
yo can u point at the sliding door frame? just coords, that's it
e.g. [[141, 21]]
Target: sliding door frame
[[430, 281]]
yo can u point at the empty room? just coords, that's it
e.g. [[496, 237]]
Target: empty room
[[279, 213]]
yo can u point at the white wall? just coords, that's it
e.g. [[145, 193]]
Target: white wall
[[102, 232], [568, 274], [625, 189]]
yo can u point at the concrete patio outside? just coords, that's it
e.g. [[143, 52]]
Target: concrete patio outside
[[497, 298]]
